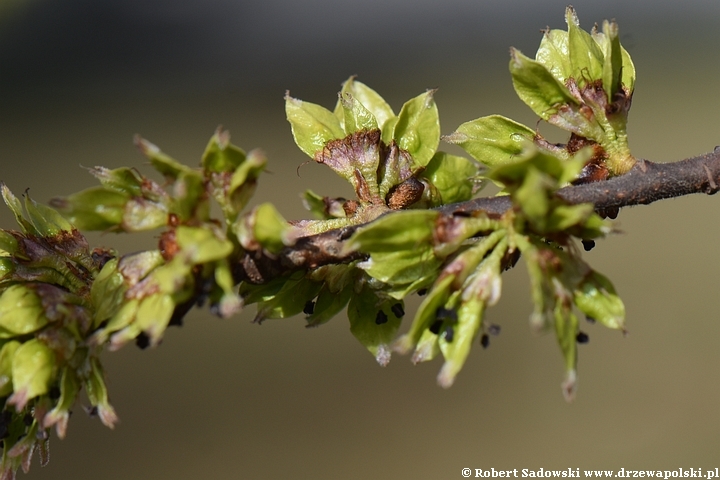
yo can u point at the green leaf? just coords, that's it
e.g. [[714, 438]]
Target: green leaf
[[328, 304], [153, 315], [190, 197], [554, 54], [47, 221], [33, 369], [120, 320], [262, 293], [427, 348], [202, 245], [321, 210], [536, 86], [609, 43], [371, 100], [356, 117], [586, 57], [244, 179], [21, 311], [141, 214], [532, 196], [425, 314], [481, 289], [373, 322], [93, 209], [8, 244], [290, 299], [596, 298], [492, 140], [107, 292], [418, 128], [166, 165], [628, 71], [220, 155], [455, 178], [401, 267], [15, 207], [542, 294], [469, 322], [312, 125], [6, 356], [271, 229], [122, 180], [383, 235], [563, 217]]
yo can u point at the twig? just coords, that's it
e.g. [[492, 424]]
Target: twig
[[645, 183]]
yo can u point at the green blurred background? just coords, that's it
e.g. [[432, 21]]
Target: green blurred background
[[225, 399]]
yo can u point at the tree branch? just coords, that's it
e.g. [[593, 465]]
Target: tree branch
[[645, 183]]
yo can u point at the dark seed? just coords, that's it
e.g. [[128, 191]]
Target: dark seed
[[309, 307], [422, 292], [91, 411], [449, 334], [435, 327], [142, 341], [381, 318], [485, 340], [590, 319], [588, 245], [582, 337], [398, 310], [28, 420], [494, 329]]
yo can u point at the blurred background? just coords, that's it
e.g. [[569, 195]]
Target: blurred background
[[225, 399]]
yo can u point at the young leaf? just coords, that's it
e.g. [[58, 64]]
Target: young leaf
[[586, 57], [536, 86], [418, 128], [455, 178], [371, 100], [220, 155], [596, 298], [93, 209], [383, 235], [312, 125], [356, 116], [492, 140], [553, 53], [21, 311], [425, 315], [328, 304]]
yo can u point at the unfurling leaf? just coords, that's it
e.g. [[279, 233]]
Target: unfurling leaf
[[312, 125], [536, 86], [418, 128], [373, 102], [492, 140], [455, 178]]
